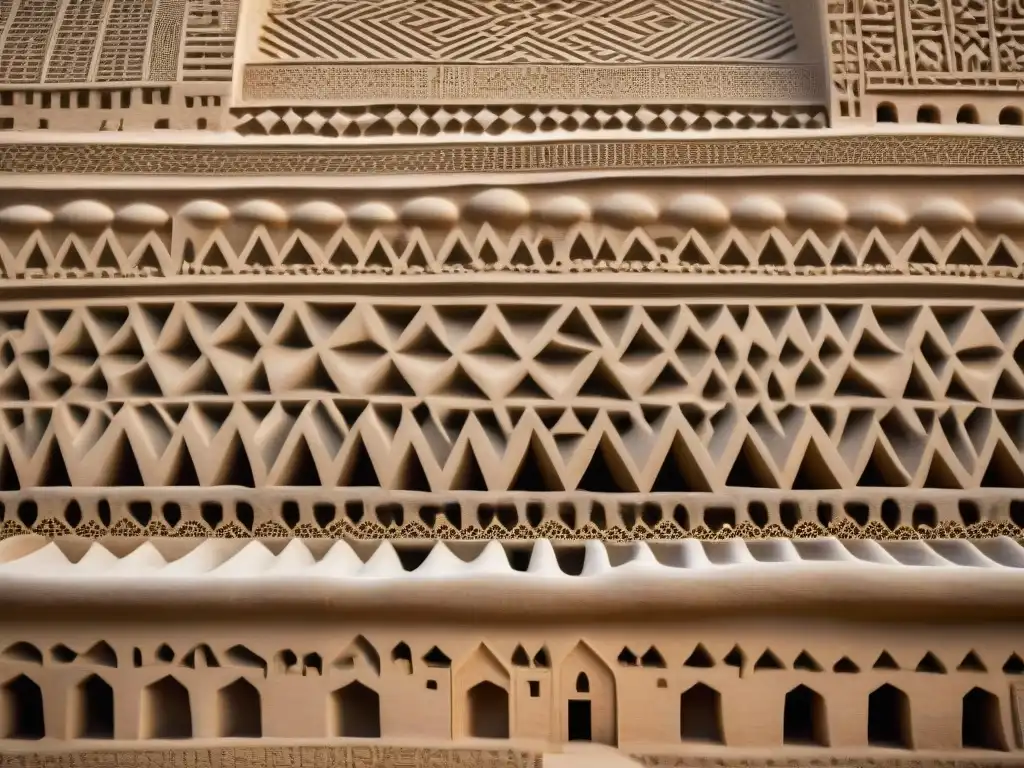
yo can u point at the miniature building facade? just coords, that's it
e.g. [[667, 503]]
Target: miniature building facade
[[484, 383]]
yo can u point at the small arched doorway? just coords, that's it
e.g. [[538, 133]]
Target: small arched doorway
[[488, 711]]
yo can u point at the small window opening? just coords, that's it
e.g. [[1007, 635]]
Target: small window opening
[[886, 113]]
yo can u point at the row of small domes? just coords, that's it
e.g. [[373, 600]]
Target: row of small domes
[[506, 207]]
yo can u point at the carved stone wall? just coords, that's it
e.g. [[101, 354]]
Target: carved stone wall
[[806, 398], [387, 271], [744, 686], [103, 66]]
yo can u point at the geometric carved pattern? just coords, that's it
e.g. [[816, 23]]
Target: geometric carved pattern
[[527, 31], [210, 40], [528, 52], [820, 149], [514, 396], [315, 82], [76, 41], [429, 120], [383, 757], [122, 55], [506, 231], [907, 45], [128, 41], [369, 756], [376, 515], [28, 27]]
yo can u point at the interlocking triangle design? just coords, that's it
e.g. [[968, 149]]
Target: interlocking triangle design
[[543, 397]]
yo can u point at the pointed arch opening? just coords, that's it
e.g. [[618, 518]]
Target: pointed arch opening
[[488, 711], [700, 715], [356, 712], [93, 715], [805, 720], [582, 683], [981, 721], [889, 718], [239, 711], [22, 708], [588, 696], [166, 710]]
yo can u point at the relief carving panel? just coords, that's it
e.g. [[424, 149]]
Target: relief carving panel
[[909, 50]]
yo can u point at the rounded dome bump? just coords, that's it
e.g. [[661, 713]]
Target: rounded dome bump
[[86, 213], [817, 209], [1002, 214], [943, 212], [262, 211], [879, 213], [142, 215], [373, 214], [758, 211], [499, 206], [564, 210], [626, 209], [207, 211], [699, 210], [318, 213], [430, 211], [25, 216]]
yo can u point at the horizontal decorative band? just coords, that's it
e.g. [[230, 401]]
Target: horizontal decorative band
[[317, 83], [507, 231], [255, 756], [366, 757], [820, 151], [500, 119], [537, 396], [375, 515], [368, 515]]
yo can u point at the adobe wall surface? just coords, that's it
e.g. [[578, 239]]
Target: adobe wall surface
[[456, 383], [838, 688]]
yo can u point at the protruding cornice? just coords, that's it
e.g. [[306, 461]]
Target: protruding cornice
[[975, 581]]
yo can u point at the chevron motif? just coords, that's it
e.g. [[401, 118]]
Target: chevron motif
[[513, 396], [527, 31]]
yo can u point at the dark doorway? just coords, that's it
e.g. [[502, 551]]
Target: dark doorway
[[579, 720], [889, 718], [982, 724], [488, 711]]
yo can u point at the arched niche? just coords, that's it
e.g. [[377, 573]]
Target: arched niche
[[487, 711], [482, 693], [355, 712]]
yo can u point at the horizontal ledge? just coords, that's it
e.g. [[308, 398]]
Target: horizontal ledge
[[58, 182], [513, 285], [893, 593], [257, 753], [252, 753], [231, 140]]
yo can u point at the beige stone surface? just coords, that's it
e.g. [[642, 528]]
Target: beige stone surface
[[511, 383]]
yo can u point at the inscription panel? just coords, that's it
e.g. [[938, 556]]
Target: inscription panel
[[274, 83]]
